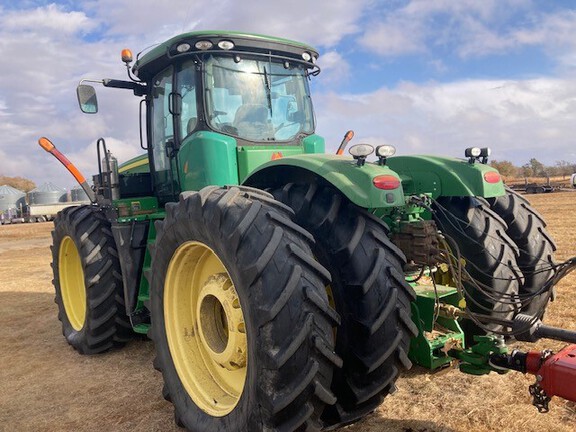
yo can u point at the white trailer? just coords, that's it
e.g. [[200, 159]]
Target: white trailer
[[45, 212]]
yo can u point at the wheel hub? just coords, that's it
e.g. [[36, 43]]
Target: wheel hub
[[220, 322], [72, 287], [205, 328]]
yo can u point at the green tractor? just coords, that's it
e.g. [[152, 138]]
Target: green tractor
[[284, 288]]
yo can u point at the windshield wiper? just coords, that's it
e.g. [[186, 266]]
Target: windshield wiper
[[268, 90]]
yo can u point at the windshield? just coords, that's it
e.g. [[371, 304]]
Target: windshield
[[257, 100]]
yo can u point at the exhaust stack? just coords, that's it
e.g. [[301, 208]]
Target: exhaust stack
[[47, 145]]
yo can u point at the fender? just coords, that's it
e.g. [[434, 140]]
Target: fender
[[442, 176], [343, 173]]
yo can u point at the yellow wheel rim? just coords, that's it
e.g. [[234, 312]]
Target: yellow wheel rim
[[205, 329], [72, 286]]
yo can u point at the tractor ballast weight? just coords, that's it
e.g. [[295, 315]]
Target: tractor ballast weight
[[272, 277]]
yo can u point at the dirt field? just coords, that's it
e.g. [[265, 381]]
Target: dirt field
[[46, 386]]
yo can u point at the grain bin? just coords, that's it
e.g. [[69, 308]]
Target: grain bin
[[47, 193], [11, 198], [78, 194]]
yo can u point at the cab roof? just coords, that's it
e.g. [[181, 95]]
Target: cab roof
[[164, 54]]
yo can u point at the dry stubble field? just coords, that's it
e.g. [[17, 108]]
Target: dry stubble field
[[46, 386]]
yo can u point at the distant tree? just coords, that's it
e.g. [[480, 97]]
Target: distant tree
[[19, 183], [506, 168], [526, 170], [564, 168], [537, 167]]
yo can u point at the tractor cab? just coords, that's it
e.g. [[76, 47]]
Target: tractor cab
[[218, 105]]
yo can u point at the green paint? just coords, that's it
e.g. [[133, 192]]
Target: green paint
[[251, 157], [441, 176], [342, 172], [207, 158], [314, 144], [424, 349], [476, 359], [135, 208]]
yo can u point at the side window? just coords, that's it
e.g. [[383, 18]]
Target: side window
[[162, 124], [187, 90], [165, 182]]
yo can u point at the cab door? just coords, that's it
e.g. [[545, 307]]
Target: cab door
[[166, 183]]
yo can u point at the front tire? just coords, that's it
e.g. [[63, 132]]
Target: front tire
[[240, 319], [88, 281], [369, 293]]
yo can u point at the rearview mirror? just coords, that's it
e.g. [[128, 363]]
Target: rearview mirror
[[87, 99]]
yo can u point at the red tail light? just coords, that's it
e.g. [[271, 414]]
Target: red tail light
[[386, 182], [492, 177]]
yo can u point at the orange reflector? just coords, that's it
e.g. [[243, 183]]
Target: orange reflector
[[276, 155], [492, 177], [126, 55], [386, 182], [46, 144]]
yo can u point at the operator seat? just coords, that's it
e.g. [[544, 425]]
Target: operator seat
[[253, 122]]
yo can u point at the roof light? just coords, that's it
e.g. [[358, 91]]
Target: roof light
[[126, 55], [472, 152], [183, 47], [203, 45], [385, 150], [306, 56], [226, 44], [386, 182], [492, 177], [485, 152], [361, 150]]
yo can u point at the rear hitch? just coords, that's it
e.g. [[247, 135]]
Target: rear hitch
[[555, 373]]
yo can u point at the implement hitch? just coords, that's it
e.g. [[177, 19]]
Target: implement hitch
[[555, 373]]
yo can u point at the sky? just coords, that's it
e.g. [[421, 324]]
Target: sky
[[427, 76]]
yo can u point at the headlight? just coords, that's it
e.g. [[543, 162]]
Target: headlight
[[226, 44], [183, 47], [203, 45]]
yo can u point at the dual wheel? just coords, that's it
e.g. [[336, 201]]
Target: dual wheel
[[244, 310], [284, 314], [508, 255]]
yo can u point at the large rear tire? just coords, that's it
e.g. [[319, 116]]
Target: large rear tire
[[480, 236], [240, 317], [369, 293], [88, 281], [527, 229]]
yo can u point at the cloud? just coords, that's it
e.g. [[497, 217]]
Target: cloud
[[518, 119], [51, 18], [318, 23], [335, 68], [52, 46], [469, 28], [49, 48]]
